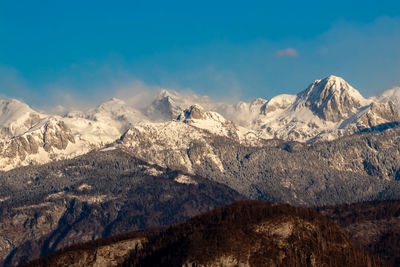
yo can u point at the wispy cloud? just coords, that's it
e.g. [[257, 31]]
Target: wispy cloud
[[288, 52]]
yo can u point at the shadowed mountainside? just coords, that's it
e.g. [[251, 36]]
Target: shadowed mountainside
[[373, 225], [97, 195], [246, 233]]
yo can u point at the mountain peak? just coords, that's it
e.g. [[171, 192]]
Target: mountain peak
[[334, 77], [333, 84], [164, 106], [169, 94], [331, 98]]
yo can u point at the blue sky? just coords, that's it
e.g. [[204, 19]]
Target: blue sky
[[70, 52]]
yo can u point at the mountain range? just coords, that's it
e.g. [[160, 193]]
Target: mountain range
[[326, 110], [114, 169]]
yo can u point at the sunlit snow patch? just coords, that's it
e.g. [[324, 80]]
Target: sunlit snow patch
[[184, 179], [108, 148]]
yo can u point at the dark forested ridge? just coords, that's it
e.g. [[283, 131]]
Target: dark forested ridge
[[246, 233], [94, 196], [373, 225]]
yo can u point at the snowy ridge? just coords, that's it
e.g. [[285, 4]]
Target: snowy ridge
[[54, 137], [176, 129], [170, 144]]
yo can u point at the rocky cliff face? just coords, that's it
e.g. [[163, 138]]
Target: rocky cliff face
[[47, 140]]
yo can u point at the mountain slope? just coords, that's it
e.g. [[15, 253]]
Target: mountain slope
[[350, 169], [45, 208], [373, 225], [243, 233]]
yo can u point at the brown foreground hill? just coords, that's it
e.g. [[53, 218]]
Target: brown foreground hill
[[373, 225], [246, 233]]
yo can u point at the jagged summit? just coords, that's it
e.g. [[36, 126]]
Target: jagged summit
[[331, 99], [193, 112], [164, 106]]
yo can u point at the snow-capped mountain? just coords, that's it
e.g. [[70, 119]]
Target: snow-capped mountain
[[49, 139], [331, 99], [327, 109], [169, 144], [169, 104], [34, 138]]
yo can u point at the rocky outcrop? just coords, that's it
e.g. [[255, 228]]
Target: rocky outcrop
[[38, 145], [192, 112], [56, 135]]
